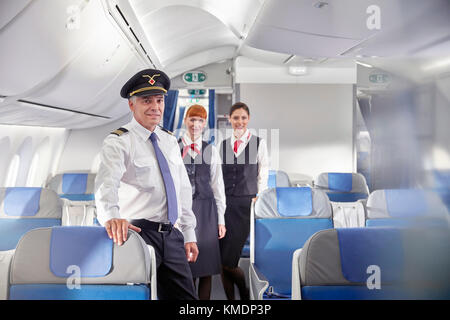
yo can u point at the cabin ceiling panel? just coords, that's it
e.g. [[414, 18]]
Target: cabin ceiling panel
[[430, 29], [298, 27], [92, 81], [80, 69], [35, 48], [237, 15], [179, 31], [294, 42], [200, 59], [10, 9]]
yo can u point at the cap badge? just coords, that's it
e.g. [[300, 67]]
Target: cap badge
[[151, 81]]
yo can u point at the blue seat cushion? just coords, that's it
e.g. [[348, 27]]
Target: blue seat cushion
[[272, 182], [340, 181], [294, 202], [78, 197], [22, 202], [346, 196], [86, 292], [11, 230], [275, 242], [74, 183], [362, 247], [406, 203], [363, 293], [405, 222], [89, 248]]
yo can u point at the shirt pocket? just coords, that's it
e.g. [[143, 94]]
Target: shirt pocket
[[147, 175]]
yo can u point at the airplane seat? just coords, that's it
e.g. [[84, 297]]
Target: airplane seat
[[21, 210], [77, 192], [343, 187], [282, 219], [404, 208], [371, 264], [81, 263], [26, 208], [278, 178]]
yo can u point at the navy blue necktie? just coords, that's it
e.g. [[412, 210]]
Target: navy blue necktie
[[172, 208]]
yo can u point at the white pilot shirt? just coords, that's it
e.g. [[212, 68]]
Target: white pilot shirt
[[217, 184], [262, 158], [129, 184]]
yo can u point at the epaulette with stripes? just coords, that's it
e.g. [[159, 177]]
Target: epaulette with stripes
[[165, 130], [119, 131]]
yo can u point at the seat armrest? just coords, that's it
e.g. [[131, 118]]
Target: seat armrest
[[5, 262], [153, 284], [296, 289]]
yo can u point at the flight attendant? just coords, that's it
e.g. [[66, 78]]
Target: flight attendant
[[245, 168], [203, 165]]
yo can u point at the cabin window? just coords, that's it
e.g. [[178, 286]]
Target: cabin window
[[95, 163], [33, 171], [13, 172]]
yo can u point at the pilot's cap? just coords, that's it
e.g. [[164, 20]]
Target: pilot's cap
[[147, 82]]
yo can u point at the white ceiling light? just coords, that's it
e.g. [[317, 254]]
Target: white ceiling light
[[297, 70], [364, 64]]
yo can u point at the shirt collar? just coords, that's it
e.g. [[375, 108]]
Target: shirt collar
[[244, 137], [142, 132], [187, 140]]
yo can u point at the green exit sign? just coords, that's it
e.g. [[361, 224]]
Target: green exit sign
[[194, 77], [379, 78], [196, 92]]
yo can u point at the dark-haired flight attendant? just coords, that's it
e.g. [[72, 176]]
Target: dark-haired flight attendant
[[245, 168], [203, 165]]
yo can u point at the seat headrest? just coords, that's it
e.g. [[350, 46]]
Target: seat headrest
[[342, 182], [26, 202], [51, 255], [73, 183], [278, 178], [405, 203], [292, 202]]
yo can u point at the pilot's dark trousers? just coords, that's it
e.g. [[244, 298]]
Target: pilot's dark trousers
[[173, 272]]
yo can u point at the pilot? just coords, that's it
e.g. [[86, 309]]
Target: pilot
[[204, 167], [245, 167], [142, 185]]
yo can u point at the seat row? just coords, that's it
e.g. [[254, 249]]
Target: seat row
[[43, 256], [35, 220], [343, 190], [78, 263], [284, 220], [67, 200], [339, 186]]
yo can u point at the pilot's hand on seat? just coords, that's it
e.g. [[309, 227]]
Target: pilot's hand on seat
[[191, 251], [117, 230]]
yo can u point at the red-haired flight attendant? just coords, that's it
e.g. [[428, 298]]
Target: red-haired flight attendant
[[203, 165]]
